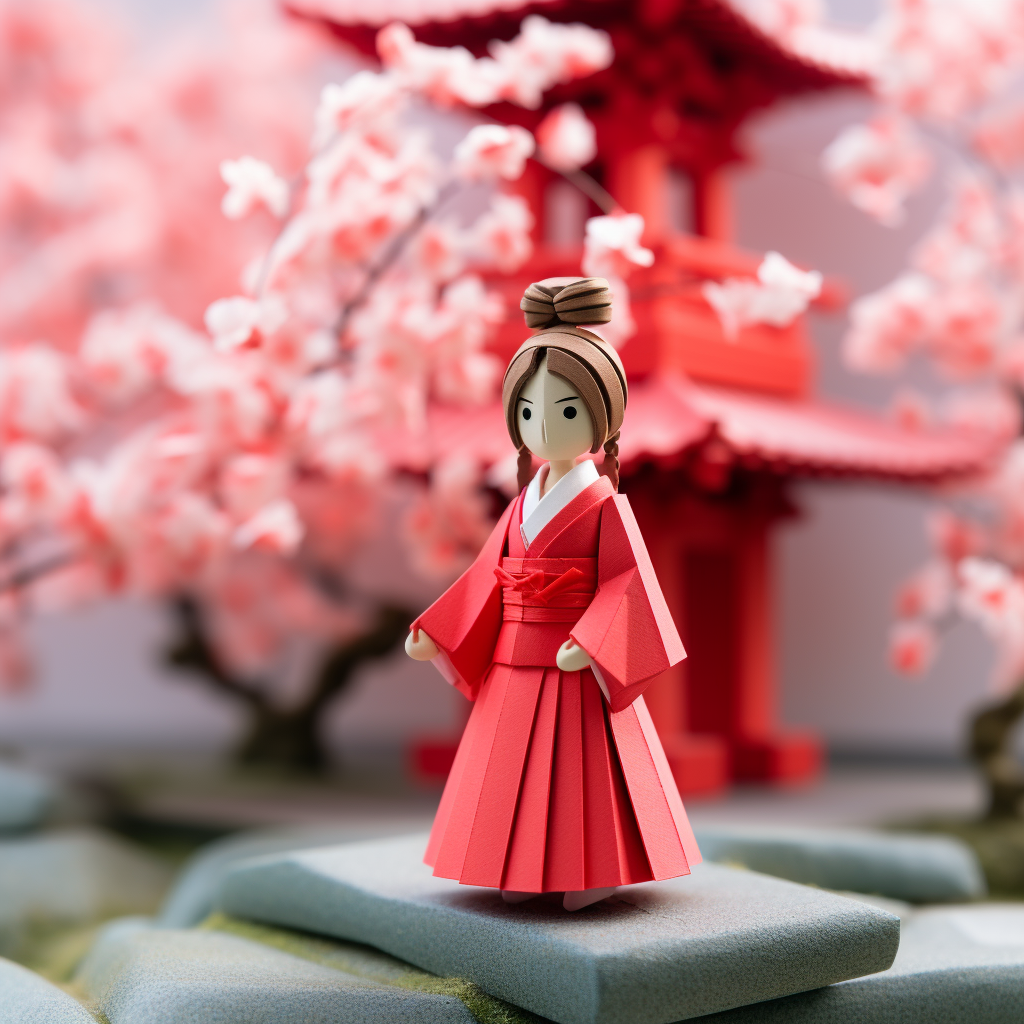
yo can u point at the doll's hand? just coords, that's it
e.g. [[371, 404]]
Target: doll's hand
[[419, 646], [571, 657]]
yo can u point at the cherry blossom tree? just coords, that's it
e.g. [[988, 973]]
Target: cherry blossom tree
[[947, 78], [214, 408]]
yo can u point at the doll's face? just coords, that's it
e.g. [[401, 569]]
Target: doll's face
[[554, 421]]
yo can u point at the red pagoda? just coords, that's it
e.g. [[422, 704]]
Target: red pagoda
[[716, 427]]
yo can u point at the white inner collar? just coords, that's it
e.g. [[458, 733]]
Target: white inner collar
[[538, 511]]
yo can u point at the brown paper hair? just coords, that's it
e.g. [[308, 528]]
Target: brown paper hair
[[583, 359]]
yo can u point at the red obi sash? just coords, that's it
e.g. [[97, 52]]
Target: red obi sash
[[542, 598]]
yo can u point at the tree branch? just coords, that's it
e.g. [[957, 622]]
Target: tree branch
[[338, 667], [592, 189], [193, 651], [394, 250]]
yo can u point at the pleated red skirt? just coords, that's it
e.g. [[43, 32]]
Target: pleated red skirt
[[552, 792]]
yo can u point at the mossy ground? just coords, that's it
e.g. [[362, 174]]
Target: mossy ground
[[999, 845], [366, 962]]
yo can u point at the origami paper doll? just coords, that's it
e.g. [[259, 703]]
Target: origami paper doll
[[560, 783]]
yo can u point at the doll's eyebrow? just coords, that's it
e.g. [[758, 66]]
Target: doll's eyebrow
[[526, 400], [571, 398]]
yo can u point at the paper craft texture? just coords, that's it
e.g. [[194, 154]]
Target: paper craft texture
[[553, 788]]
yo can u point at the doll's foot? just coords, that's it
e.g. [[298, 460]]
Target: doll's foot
[[511, 896], [585, 897]]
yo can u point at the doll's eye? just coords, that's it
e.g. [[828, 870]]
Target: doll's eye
[[526, 412], [569, 412]]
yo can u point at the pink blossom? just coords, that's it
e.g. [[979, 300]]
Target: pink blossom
[[1006, 488], [943, 58], [439, 249], [448, 523], [1011, 256], [34, 477], [250, 182], [214, 460], [275, 528], [928, 594], [912, 647], [887, 325], [445, 75], [126, 352], [235, 321], [37, 400], [611, 246], [464, 373], [781, 293], [503, 235], [234, 398], [361, 192], [566, 140], [493, 151], [1011, 363], [251, 481], [364, 99], [544, 54], [956, 538], [991, 595], [966, 328], [175, 544], [999, 138], [877, 166], [968, 240]]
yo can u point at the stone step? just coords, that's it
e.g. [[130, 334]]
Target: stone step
[[73, 875], [956, 965], [25, 798], [195, 891], [28, 998], [139, 974], [661, 952], [915, 868]]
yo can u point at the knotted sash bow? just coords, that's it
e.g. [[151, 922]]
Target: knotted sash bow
[[527, 596]]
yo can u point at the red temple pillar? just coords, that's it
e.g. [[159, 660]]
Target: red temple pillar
[[717, 712]]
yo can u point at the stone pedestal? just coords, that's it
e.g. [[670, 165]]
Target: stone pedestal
[[656, 953]]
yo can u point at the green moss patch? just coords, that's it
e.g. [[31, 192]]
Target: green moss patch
[[368, 963]]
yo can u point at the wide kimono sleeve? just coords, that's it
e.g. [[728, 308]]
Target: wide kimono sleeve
[[464, 621], [627, 630]]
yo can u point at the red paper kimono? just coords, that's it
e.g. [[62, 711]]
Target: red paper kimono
[[554, 788]]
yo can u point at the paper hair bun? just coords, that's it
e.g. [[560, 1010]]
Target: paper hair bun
[[567, 300]]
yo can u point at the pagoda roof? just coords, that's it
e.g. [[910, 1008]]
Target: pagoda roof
[[812, 57], [844, 55], [671, 419], [686, 72]]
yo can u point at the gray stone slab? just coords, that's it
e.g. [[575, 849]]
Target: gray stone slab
[[958, 965], [658, 953], [919, 869], [25, 798], [194, 895], [142, 975], [74, 875], [27, 998]]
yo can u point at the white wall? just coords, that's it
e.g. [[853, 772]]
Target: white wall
[[838, 568]]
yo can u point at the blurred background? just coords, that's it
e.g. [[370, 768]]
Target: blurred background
[[172, 694], [100, 689]]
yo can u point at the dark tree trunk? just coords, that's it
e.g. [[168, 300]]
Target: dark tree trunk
[[285, 738], [991, 737]]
